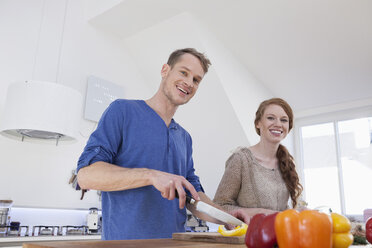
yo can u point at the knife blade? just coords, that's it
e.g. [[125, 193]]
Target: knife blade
[[213, 212]]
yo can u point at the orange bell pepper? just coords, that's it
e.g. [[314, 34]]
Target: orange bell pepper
[[306, 229]]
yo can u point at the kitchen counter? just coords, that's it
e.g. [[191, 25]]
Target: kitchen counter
[[18, 241], [145, 243], [153, 243]]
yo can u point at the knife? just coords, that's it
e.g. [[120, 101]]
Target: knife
[[213, 212]]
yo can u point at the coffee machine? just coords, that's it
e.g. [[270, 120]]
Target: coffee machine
[[5, 206], [93, 221]]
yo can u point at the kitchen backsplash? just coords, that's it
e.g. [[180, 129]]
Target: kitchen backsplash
[[43, 216]]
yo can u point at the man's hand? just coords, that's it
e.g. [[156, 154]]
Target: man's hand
[[168, 184]]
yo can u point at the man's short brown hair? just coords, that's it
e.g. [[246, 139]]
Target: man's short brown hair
[[176, 55]]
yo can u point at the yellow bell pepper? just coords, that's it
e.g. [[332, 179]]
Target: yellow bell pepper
[[237, 231], [341, 236]]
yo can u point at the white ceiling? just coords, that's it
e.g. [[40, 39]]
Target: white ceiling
[[312, 53]]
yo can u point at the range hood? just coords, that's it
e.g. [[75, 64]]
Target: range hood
[[41, 110]]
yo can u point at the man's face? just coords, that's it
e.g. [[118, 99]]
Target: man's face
[[179, 83]]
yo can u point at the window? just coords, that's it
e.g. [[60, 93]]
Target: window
[[337, 165]]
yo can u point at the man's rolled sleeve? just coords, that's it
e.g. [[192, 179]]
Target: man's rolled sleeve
[[92, 155], [104, 142]]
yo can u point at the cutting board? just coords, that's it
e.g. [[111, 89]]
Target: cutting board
[[213, 237], [142, 243]]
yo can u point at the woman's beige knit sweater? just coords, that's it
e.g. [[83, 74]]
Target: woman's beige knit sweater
[[247, 184]]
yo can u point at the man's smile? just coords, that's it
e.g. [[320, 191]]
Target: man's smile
[[182, 90]]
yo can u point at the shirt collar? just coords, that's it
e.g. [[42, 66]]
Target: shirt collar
[[173, 125]]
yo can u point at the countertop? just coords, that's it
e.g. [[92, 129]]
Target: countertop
[[18, 241], [145, 243]]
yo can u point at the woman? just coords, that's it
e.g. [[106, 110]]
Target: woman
[[261, 178]]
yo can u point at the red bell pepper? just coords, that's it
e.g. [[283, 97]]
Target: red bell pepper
[[261, 231], [369, 230]]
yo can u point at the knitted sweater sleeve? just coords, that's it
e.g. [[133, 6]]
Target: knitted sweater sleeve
[[228, 190]]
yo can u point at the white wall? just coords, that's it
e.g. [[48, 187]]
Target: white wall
[[245, 92], [37, 174]]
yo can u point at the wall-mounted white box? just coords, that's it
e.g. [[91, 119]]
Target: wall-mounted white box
[[100, 93]]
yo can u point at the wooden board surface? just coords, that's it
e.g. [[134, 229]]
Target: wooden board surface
[[144, 243], [213, 237]]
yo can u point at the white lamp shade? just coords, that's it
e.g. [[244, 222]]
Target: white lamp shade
[[41, 106]]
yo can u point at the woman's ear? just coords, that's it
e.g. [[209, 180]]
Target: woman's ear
[[258, 125]]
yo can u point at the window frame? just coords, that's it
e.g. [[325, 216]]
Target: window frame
[[334, 118]]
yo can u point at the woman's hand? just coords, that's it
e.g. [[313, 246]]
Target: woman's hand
[[242, 215], [245, 214]]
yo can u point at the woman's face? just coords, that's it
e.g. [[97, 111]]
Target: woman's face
[[274, 124]]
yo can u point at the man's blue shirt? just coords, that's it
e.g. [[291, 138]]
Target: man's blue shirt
[[131, 134]]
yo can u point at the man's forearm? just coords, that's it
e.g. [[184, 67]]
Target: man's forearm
[[108, 177]]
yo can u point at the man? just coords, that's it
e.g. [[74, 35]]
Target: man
[[139, 157]]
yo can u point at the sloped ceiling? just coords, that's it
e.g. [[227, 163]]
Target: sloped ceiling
[[312, 53]]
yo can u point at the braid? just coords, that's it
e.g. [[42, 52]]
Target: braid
[[289, 174]]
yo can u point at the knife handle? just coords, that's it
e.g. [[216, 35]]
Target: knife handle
[[189, 199]]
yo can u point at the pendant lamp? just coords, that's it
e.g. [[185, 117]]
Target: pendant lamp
[[42, 110]]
